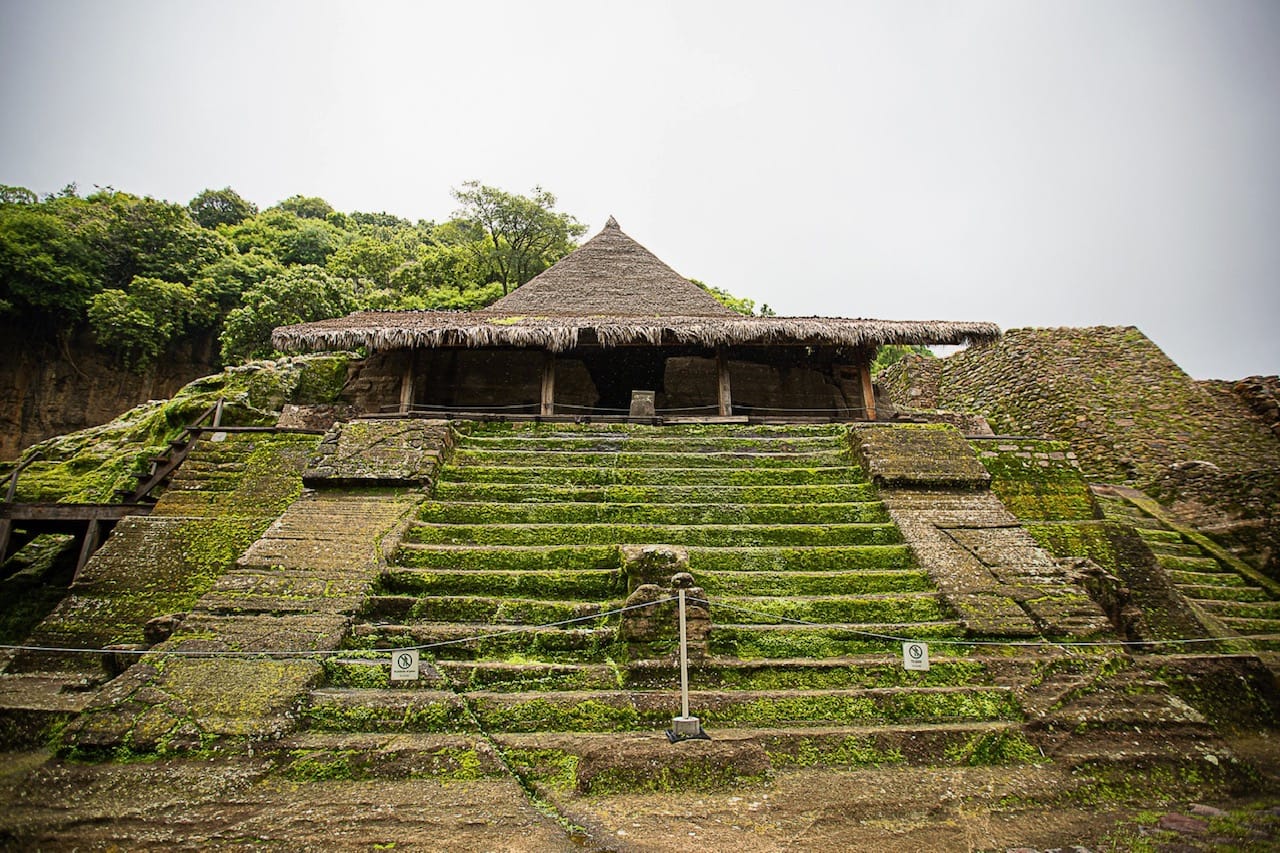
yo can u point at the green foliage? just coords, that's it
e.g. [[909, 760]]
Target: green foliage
[[298, 295], [511, 237], [140, 323], [220, 207], [740, 304], [306, 207], [894, 353]]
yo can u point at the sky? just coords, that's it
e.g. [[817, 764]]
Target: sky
[[1024, 162]]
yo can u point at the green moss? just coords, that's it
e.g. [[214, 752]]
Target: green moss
[[540, 715], [705, 536], [692, 775], [554, 768], [1034, 485], [851, 751], [418, 715], [556, 559], [321, 379], [314, 766], [592, 585], [832, 610], [846, 709], [792, 559], [994, 748]]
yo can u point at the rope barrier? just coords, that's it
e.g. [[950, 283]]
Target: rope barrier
[[295, 653]]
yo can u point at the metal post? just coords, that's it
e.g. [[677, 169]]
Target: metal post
[[684, 726]]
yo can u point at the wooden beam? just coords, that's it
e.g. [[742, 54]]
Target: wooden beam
[[548, 383], [406, 385], [91, 535], [6, 531], [725, 395], [868, 391]]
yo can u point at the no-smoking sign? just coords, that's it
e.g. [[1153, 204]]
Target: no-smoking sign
[[404, 665], [915, 656]]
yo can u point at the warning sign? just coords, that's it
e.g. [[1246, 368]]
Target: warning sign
[[915, 656], [404, 665]]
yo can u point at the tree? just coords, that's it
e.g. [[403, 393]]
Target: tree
[[220, 207], [48, 272], [300, 294], [306, 207], [894, 353], [141, 323], [17, 195], [367, 260], [513, 237]]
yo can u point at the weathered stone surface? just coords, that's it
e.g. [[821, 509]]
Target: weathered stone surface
[[919, 455], [652, 564], [380, 452]]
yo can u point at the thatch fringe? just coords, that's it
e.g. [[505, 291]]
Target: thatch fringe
[[439, 329]]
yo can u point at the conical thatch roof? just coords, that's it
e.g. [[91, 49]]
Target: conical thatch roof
[[611, 274], [611, 291]]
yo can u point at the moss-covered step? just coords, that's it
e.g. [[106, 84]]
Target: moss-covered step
[[467, 456], [1216, 592], [661, 442], [586, 584], [527, 429], [466, 641], [1164, 549], [530, 675], [607, 476], [363, 710], [372, 671], [604, 711], [739, 583], [801, 559], [488, 610], [827, 641], [511, 558], [1257, 610], [864, 671], [308, 757], [692, 535], [474, 512], [527, 493], [828, 609]]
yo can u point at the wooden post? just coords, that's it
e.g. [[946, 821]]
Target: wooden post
[[868, 391], [725, 392], [6, 531], [90, 544], [406, 386], [548, 384]]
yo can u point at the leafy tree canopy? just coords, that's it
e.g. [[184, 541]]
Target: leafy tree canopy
[[220, 207]]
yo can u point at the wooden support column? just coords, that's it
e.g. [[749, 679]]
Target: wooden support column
[[91, 535], [406, 385], [548, 383], [6, 531], [725, 395], [868, 391]]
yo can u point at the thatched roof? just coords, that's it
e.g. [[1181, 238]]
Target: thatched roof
[[610, 292], [610, 274]]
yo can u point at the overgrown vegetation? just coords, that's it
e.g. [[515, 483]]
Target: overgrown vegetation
[[143, 274]]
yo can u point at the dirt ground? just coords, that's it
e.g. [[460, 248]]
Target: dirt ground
[[212, 804]]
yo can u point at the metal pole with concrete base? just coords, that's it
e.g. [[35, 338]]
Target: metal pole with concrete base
[[684, 727]]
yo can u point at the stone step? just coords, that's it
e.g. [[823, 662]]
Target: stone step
[[527, 493], [792, 583], [1199, 564], [789, 558], [647, 513], [659, 442], [530, 676], [828, 609], [585, 584], [467, 641], [536, 432], [742, 756], [1163, 550], [621, 711], [640, 534], [372, 671], [480, 610], [466, 456], [1255, 609], [828, 641], [1207, 578], [608, 476], [344, 709], [1214, 592], [543, 558], [307, 757], [862, 671], [1152, 535]]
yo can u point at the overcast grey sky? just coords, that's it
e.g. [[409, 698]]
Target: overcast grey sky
[[1028, 163]]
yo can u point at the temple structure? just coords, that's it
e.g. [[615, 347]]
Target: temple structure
[[612, 331]]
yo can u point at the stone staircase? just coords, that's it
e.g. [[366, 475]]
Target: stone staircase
[[1228, 602], [513, 575]]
